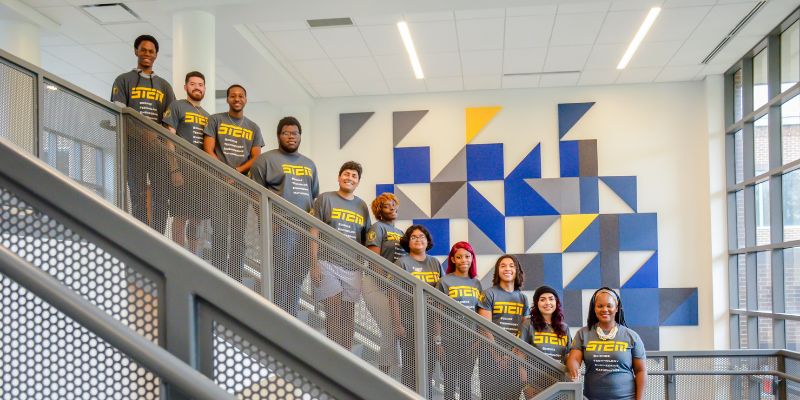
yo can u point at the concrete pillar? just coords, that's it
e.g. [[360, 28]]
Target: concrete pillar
[[194, 49]]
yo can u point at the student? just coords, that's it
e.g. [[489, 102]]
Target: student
[[337, 281], [546, 330], [505, 305], [614, 355], [150, 95], [383, 238], [293, 176], [459, 345], [417, 241], [235, 140], [187, 119]]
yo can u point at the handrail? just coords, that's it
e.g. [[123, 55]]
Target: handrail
[[189, 279], [778, 374], [145, 352]]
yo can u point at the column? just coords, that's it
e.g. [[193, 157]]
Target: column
[[194, 49]]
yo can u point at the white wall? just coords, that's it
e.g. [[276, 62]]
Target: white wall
[[658, 132]]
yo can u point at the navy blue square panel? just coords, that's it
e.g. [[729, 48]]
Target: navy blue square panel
[[638, 232], [412, 165], [485, 162], [440, 233], [381, 188], [641, 306]]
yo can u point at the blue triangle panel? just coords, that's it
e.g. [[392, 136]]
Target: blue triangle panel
[[522, 201], [641, 306], [383, 188], [569, 114], [483, 214], [646, 276], [684, 314], [440, 231], [589, 278], [588, 240], [530, 167], [624, 187], [590, 197], [569, 158]]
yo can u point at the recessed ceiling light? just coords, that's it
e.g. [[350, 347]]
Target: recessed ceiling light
[[637, 39], [329, 22], [405, 34], [110, 13]]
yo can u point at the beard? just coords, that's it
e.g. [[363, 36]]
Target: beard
[[194, 95]]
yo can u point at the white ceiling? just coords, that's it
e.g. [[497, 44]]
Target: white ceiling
[[461, 44]]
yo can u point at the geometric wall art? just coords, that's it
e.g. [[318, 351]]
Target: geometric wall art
[[581, 230]]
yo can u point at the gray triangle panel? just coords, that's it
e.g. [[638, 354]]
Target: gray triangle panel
[[403, 122], [408, 209], [480, 242], [535, 227], [441, 193], [564, 194], [454, 207], [350, 124], [456, 169]]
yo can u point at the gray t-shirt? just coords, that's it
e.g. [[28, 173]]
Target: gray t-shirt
[[554, 345], [386, 237], [428, 271], [609, 363], [508, 308], [349, 217], [235, 138], [148, 94], [189, 121], [292, 176], [466, 291]]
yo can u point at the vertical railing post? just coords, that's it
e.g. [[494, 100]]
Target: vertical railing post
[[267, 269], [420, 339], [670, 379], [39, 131], [781, 386], [122, 162]]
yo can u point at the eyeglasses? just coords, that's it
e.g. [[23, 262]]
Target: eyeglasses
[[290, 134], [418, 238]]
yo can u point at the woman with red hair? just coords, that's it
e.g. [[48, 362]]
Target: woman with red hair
[[460, 283]]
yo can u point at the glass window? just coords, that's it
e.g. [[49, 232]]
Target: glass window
[[741, 271], [790, 130], [765, 333], [764, 281], [791, 280], [791, 206], [760, 92], [762, 213], [790, 56], [761, 144], [743, 342], [740, 242], [738, 154], [792, 335], [737, 95]]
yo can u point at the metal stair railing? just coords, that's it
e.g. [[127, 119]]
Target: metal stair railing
[[120, 155]]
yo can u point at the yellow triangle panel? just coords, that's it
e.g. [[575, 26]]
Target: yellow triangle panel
[[477, 118], [572, 226]]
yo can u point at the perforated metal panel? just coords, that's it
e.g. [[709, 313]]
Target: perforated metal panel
[[197, 198], [79, 138], [242, 368], [17, 112], [656, 384], [792, 388], [725, 386]]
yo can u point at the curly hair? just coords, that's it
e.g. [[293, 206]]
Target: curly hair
[[451, 267], [520, 275], [407, 237], [379, 201], [556, 321]]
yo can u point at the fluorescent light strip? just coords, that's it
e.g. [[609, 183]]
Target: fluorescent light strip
[[402, 26], [637, 40]]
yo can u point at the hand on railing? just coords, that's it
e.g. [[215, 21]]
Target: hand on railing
[[177, 177]]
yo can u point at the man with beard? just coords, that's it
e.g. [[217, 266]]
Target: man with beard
[[187, 119], [293, 176], [235, 140], [150, 95]]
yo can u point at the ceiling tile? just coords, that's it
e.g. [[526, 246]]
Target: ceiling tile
[[532, 10], [45, 3], [580, 8], [719, 21], [566, 58], [119, 54], [367, 20], [528, 31], [341, 42], [398, 86], [481, 34], [676, 23], [318, 71], [559, 80], [395, 67], [482, 62], [383, 39], [605, 56], [517, 61], [446, 84], [654, 54], [439, 65], [358, 69], [768, 17], [480, 13], [521, 81], [84, 59], [482, 82], [128, 33], [687, 3], [296, 45], [678, 74], [434, 37], [692, 52], [57, 66], [333, 89], [630, 5], [598, 77], [365, 88], [78, 26], [57, 40], [621, 26], [638, 75], [575, 29], [735, 49], [289, 25], [429, 16]]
